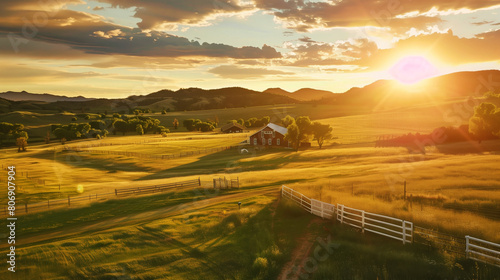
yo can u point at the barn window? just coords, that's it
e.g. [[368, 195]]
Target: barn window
[[278, 141], [270, 141], [255, 141]]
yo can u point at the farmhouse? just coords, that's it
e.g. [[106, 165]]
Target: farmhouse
[[232, 128], [270, 135]]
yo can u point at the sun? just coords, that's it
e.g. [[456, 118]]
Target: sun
[[412, 69]]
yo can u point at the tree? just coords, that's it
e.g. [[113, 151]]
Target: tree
[[241, 121], [74, 119], [288, 120], [485, 123], [22, 142], [139, 129], [304, 124], [292, 136], [191, 124], [175, 123], [205, 126], [164, 112], [321, 132], [121, 126], [87, 117], [97, 124]]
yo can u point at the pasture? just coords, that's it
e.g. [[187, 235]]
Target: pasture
[[194, 235]]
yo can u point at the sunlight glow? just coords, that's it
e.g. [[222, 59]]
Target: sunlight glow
[[79, 189], [412, 69]]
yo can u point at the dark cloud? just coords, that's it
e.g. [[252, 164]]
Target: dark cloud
[[154, 13], [303, 16], [93, 35], [237, 72], [306, 39], [98, 8]]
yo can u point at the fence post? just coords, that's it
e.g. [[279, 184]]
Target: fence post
[[199, 181], [363, 221], [467, 246], [404, 194], [342, 214], [404, 232], [116, 192]]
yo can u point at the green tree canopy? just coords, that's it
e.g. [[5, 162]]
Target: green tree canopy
[[321, 132]]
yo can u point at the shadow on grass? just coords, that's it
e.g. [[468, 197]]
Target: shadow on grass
[[86, 160], [228, 161]]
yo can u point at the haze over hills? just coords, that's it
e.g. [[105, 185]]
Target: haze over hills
[[45, 97], [303, 94], [380, 95], [387, 94]]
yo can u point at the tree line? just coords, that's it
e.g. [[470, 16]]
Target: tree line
[[302, 129], [13, 132]]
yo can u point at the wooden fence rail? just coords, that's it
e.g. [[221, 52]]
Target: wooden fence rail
[[28, 208]]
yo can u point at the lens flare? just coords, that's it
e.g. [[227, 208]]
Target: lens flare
[[79, 189], [412, 69]]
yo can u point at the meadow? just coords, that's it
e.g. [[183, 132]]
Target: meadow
[[189, 234]]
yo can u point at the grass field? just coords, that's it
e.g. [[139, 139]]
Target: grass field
[[177, 236]]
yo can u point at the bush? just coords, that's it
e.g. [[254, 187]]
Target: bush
[[260, 264]]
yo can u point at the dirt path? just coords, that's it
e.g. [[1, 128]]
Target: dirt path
[[140, 218], [292, 269]]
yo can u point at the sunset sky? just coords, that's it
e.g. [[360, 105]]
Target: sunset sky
[[116, 48]]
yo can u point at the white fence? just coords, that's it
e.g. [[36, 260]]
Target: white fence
[[383, 225], [475, 248], [313, 206], [482, 250], [379, 224]]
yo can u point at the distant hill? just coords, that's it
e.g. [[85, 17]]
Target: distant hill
[[389, 94], [45, 97], [380, 95], [304, 94], [180, 100]]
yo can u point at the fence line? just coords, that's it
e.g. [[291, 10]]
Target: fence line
[[482, 250], [470, 247], [99, 196]]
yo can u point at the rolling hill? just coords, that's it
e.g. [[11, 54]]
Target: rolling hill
[[303, 94], [378, 96], [45, 97], [389, 94]]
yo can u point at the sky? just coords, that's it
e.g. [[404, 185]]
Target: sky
[[118, 48]]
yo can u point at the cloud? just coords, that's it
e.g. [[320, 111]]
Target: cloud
[[397, 15], [92, 34], [23, 73], [98, 8], [155, 13], [237, 72], [447, 48], [306, 39], [321, 53], [484, 22]]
